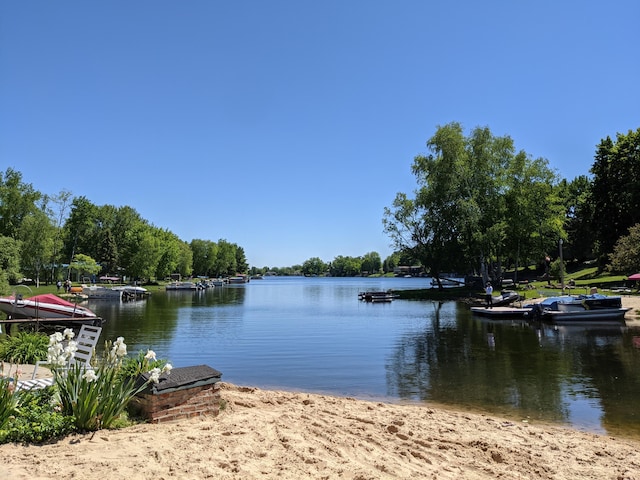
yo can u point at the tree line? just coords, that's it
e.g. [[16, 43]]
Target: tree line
[[481, 206], [42, 236]]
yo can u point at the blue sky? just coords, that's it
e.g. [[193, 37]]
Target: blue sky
[[287, 126]]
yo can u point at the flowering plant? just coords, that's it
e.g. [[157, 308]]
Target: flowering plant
[[8, 400], [95, 397]]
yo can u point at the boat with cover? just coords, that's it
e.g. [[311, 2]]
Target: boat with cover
[[47, 308], [593, 308]]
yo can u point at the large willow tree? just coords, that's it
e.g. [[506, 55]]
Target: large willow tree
[[478, 203]]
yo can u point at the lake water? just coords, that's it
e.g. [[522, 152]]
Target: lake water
[[313, 334]]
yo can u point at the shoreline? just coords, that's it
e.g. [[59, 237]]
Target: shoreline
[[272, 434], [289, 435]]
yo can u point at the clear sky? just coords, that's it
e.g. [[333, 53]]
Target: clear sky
[[286, 127]]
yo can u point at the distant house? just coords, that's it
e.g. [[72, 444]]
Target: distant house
[[414, 271]]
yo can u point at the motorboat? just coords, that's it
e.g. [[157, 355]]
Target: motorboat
[[593, 308], [132, 292], [377, 296], [98, 292], [47, 307], [238, 279], [182, 286]]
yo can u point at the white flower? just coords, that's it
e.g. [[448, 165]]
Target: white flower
[[154, 375], [151, 355], [167, 368], [71, 349], [89, 376], [68, 333], [119, 348], [121, 351], [55, 338]]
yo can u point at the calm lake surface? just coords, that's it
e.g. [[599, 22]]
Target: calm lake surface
[[313, 334]]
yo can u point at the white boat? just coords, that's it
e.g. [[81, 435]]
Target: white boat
[[594, 308], [96, 292], [238, 279], [182, 286], [132, 292], [46, 307]]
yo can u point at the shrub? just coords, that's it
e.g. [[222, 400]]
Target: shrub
[[36, 420], [95, 397], [25, 347]]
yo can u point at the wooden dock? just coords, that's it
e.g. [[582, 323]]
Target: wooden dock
[[52, 321]]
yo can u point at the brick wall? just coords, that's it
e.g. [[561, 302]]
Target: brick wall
[[179, 404]]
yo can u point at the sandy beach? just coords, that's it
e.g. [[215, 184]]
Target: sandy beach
[[292, 435]]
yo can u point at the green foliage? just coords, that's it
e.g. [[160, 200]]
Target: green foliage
[[9, 262], [315, 266], [8, 400], [24, 347], [84, 264], [94, 398], [614, 194], [477, 204], [557, 268], [626, 253], [35, 419], [132, 367]]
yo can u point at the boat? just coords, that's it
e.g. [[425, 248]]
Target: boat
[[503, 312], [96, 292], [132, 292], [182, 286], [593, 308], [506, 297], [377, 296], [446, 282], [238, 279], [46, 308]]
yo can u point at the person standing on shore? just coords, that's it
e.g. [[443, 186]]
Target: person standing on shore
[[489, 295]]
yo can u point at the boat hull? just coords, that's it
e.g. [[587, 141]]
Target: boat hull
[[43, 306]]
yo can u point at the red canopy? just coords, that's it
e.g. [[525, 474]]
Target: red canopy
[[635, 276]]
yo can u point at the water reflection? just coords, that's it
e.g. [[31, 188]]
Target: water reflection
[[315, 335]]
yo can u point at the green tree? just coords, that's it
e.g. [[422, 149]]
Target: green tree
[[171, 251], [625, 258], [314, 266], [371, 263], [241, 260], [61, 203], [615, 190], [80, 231], [579, 218], [185, 260], [9, 262], [17, 201], [345, 266], [144, 252], [534, 212], [37, 235], [201, 261], [225, 263], [462, 216], [108, 252], [84, 264]]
